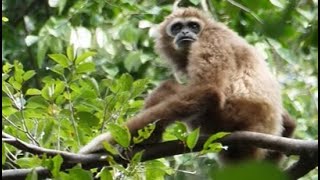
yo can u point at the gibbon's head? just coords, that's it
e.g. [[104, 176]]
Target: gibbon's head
[[177, 33]]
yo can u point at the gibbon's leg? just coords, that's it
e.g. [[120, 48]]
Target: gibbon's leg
[[164, 91], [289, 126], [248, 115], [190, 101]]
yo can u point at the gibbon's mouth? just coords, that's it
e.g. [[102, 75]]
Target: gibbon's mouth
[[184, 40]]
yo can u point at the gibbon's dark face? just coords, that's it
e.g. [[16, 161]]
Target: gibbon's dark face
[[184, 32]]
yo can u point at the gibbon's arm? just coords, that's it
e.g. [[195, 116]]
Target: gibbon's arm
[[191, 100]]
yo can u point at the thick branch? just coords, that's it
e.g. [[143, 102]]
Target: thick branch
[[307, 149]]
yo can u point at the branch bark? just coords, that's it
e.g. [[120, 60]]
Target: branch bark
[[306, 149]]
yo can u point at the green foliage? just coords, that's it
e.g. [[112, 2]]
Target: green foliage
[[73, 68], [258, 170]]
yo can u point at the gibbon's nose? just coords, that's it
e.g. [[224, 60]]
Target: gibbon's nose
[[185, 32]]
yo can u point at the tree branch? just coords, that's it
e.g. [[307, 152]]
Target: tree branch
[[307, 149]]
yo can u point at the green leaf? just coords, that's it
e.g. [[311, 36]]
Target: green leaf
[[137, 157], [179, 130], [192, 138], [132, 61], [29, 74], [85, 67], [156, 170], [3, 154], [144, 133], [46, 92], [86, 119], [251, 170], [29, 162], [42, 50], [194, 2], [33, 91], [105, 174], [84, 56], [70, 52], [213, 138], [58, 69], [80, 174], [138, 87], [120, 134], [57, 161], [33, 175], [60, 59], [7, 67], [16, 85], [48, 131], [58, 89], [18, 75], [125, 82], [107, 146]]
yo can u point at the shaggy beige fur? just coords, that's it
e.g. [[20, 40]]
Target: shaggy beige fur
[[229, 88]]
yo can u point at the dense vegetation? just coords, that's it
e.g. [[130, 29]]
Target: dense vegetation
[[73, 69]]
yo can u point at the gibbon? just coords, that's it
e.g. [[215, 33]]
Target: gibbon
[[229, 86]]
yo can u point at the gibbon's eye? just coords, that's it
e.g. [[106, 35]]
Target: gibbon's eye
[[194, 26], [176, 28]]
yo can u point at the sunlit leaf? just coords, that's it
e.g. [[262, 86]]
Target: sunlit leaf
[[29, 74], [192, 138], [120, 134], [33, 91], [84, 56], [60, 59]]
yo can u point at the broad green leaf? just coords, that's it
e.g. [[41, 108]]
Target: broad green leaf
[[156, 170], [125, 82], [137, 157], [33, 175], [7, 88], [58, 89], [120, 134], [86, 119], [57, 161], [36, 102], [6, 101], [58, 69], [214, 137], [60, 59], [179, 130], [3, 154], [105, 174], [29, 162], [47, 92], [42, 50], [80, 174], [138, 87], [252, 170], [212, 148], [192, 138], [7, 67], [29, 74], [18, 75], [85, 67], [33, 91], [84, 56], [107, 146], [132, 61], [70, 52], [16, 85], [48, 131], [194, 2]]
